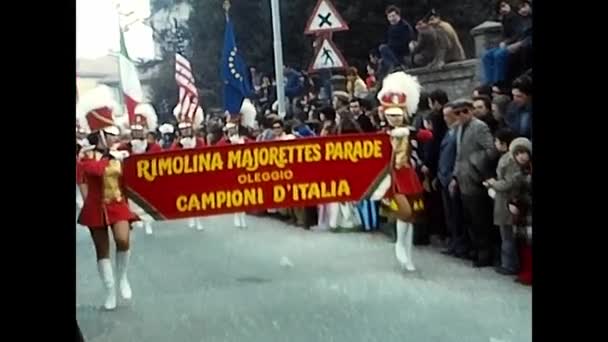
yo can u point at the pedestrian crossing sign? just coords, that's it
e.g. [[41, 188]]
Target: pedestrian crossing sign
[[325, 18], [328, 57]]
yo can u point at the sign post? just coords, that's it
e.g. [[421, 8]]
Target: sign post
[[278, 55], [325, 20]]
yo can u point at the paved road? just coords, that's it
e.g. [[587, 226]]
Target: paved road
[[226, 284]]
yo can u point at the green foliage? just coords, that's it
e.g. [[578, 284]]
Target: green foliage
[[253, 29]]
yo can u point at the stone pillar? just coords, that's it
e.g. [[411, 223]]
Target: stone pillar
[[486, 36]]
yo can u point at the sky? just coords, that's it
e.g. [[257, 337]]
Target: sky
[[97, 29]]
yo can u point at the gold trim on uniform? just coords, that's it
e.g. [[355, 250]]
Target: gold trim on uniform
[[111, 182], [401, 151]]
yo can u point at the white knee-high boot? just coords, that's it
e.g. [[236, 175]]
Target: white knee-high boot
[[195, 222], [399, 247], [242, 219], [148, 227], [122, 265], [199, 224], [333, 212], [104, 267], [408, 242], [403, 246]]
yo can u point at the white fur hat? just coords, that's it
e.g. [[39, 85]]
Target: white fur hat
[[400, 94], [248, 113], [166, 128], [194, 121], [96, 108], [145, 116]]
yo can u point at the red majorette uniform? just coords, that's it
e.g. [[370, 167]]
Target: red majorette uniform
[[232, 137], [186, 123], [144, 122], [399, 98], [167, 136], [105, 203]]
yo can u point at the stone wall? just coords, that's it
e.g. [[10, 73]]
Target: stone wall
[[456, 79], [459, 79]]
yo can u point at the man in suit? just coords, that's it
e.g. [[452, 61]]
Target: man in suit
[[475, 153], [452, 205]]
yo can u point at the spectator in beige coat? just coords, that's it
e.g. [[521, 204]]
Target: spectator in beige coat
[[455, 51]]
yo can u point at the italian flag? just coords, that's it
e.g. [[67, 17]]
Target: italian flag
[[129, 81]]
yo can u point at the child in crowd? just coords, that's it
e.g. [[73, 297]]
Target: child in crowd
[[520, 206], [502, 189]]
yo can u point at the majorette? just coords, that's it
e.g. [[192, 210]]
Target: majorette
[[232, 137], [143, 140], [402, 191], [143, 137], [105, 203], [186, 126], [188, 139]]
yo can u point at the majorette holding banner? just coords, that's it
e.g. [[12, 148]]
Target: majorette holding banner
[[276, 174]]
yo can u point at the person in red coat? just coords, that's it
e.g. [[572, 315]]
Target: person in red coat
[[105, 204], [188, 120], [145, 122]]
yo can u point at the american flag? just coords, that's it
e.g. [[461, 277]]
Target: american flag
[[188, 94]]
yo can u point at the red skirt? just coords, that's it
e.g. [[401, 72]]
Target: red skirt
[[406, 182], [100, 215]]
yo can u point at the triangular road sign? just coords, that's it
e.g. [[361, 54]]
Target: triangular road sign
[[328, 57], [325, 18]]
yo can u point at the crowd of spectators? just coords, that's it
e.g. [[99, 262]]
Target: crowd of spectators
[[476, 170]]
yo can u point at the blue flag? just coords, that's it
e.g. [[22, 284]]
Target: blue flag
[[235, 73]]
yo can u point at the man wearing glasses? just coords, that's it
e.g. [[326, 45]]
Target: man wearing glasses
[[474, 154]]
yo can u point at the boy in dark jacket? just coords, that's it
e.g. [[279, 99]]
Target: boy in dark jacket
[[398, 37]]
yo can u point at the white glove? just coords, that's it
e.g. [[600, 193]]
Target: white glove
[[235, 139], [119, 155], [188, 142], [139, 146], [84, 142], [492, 193], [400, 132]]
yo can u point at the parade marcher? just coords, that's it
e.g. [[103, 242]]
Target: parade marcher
[[232, 137], [167, 136], [105, 203], [401, 192], [145, 122], [81, 144], [188, 140]]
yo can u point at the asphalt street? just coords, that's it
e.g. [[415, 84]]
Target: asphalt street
[[274, 282]]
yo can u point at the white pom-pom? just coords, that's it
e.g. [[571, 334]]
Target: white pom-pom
[[400, 132]]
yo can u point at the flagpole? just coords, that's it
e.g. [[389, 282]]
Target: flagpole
[[121, 99], [278, 55]]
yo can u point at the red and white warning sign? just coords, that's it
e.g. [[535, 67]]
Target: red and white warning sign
[[328, 57], [325, 18]]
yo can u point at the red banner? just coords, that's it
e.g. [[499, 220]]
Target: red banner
[[257, 176]]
